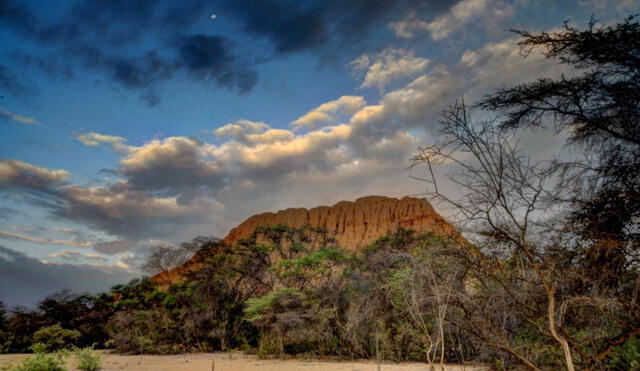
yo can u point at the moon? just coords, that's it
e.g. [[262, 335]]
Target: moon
[[213, 16]]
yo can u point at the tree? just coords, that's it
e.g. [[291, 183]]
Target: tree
[[4, 335], [52, 338], [163, 259], [567, 228], [599, 109], [501, 194]]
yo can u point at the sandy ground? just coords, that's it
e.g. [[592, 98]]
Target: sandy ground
[[237, 362]]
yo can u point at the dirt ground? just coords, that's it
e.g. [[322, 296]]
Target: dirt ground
[[237, 362]]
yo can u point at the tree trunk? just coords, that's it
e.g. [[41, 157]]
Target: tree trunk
[[554, 332]]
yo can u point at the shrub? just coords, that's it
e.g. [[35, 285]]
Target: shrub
[[55, 337], [41, 362], [87, 359]]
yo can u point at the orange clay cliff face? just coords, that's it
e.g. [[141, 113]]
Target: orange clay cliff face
[[353, 225]]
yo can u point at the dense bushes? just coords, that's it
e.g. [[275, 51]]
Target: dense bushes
[[52, 338], [288, 292]]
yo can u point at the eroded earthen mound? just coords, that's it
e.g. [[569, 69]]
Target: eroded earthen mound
[[353, 224]]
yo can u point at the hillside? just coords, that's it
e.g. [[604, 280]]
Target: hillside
[[353, 224]]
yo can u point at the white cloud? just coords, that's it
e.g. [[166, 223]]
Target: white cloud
[[178, 187], [92, 139], [66, 255], [382, 68], [44, 241], [327, 113], [18, 173], [8, 115], [501, 63], [462, 13], [408, 27], [239, 129], [92, 256], [269, 137]]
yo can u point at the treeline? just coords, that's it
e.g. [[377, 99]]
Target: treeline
[[60, 320], [294, 292]]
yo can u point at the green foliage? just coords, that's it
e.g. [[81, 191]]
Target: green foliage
[[41, 362], [625, 357], [87, 359], [152, 331], [256, 307], [55, 337]]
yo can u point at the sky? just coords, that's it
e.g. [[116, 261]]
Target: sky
[[131, 123]]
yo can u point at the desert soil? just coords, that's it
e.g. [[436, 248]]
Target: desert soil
[[237, 362]]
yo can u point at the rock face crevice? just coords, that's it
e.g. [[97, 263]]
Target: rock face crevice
[[353, 224]]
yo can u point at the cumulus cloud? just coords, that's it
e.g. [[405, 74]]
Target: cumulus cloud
[[270, 136], [175, 188], [119, 210], [134, 215], [478, 72], [21, 174], [172, 166], [239, 129], [382, 68], [7, 115], [457, 17], [328, 112]]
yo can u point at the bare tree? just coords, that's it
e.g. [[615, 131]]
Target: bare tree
[[425, 290], [163, 259], [501, 197]]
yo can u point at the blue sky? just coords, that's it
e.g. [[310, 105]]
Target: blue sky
[[125, 124]]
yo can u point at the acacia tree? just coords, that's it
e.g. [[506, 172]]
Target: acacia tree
[[599, 108], [572, 226]]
